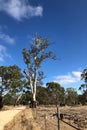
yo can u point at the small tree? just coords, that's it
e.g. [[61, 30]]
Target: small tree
[[84, 77], [11, 82], [56, 93], [83, 87], [71, 96], [33, 59]]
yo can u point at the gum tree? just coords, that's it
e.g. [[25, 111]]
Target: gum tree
[[71, 96], [84, 78], [33, 58], [11, 81], [56, 93], [83, 87]]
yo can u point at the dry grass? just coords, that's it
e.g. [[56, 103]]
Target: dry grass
[[23, 121], [42, 118], [7, 108], [45, 114]]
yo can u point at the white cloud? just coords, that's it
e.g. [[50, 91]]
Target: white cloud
[[7, 38], [72, 77], [20, 9], [77, 74], [3, 53]]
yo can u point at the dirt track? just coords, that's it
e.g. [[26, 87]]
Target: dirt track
[[34, 119], [7, 116]]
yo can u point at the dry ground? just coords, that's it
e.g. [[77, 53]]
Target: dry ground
[[23, 121], [45, 117], [7, 115], [39, 119]]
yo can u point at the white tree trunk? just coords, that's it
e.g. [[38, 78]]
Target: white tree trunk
[[31, 86], [34, 86], [34, 91], [34, 96]]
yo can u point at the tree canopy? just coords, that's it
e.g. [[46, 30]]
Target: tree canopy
[[56, 93], [11, 81], [84, 78], [71, 96], [33, 58], [83, 87]]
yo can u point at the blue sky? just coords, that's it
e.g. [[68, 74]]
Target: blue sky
[[64, 22]]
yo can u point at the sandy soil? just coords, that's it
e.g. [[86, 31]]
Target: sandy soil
[[23, 121], [6, 116]]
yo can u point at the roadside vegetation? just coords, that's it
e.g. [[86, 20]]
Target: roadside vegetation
[[17, 87], [17, 90]]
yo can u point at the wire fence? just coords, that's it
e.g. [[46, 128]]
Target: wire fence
[[52, 121]]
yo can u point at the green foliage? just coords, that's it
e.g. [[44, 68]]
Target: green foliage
[[71, 96], [84, 75], [26, 97], [83, 87], [83, 98], [9, 99], [84, 78], [42, 95], [36, 54], [56, 93], [52, 94], [12, 82], [33, 58]]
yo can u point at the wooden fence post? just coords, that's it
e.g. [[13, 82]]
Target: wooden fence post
[[58, 116], [45, 118]]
